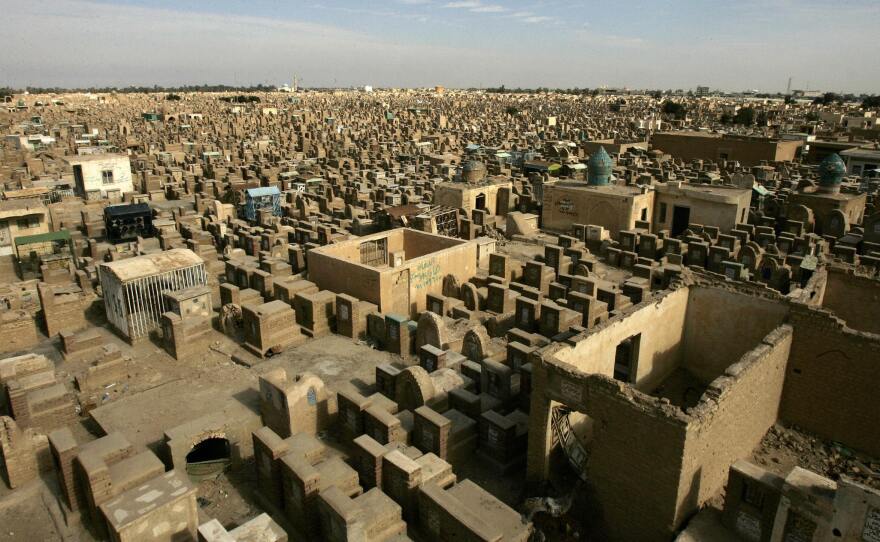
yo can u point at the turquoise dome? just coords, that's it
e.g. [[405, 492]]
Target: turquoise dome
[[599, 168], [831, 171]]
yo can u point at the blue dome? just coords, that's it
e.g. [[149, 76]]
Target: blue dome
[[599, 168], [831, 170]]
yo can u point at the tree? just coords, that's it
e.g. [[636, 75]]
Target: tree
[[829, 98], [745, 116], [675, 110], [762, 119], [726, 118], [656, 94], [172, 97], [870, 101], [511, 110]]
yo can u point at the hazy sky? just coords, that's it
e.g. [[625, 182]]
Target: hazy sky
[[732, 44]]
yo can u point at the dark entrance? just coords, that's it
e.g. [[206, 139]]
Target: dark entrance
[[625, 358], [208, 458], [481, 201], [681, 217]]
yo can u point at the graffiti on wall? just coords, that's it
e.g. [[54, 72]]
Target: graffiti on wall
[[425, 274], [566, 207]]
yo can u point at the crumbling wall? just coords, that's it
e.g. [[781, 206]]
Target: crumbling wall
[[660, 346], [723, 324], [854, 299], [732, 417], [635, 456], [831, 381]]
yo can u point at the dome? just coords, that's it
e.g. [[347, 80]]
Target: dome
[[599, 168], [473, 171], [831, 172], [472, 165]]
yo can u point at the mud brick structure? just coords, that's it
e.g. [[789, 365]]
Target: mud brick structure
[[385, 427], [372, 516], [286, 288], [96, 472], [186, 327], [452, 436], [353, 405], [304, 478], [299, 405], [403, 477], [24, 452], [210, 443], [170, 512], [109, 367], [64, 308], [315, 312], [466, 511], [16, 367], [76, 345], [39, 401], [262, 528], [270, 327], [18, 331], [763, 505], [351, 316], [363, 268], [447, 284]]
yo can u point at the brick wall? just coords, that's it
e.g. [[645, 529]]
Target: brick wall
[[731, 419], [831, 381]]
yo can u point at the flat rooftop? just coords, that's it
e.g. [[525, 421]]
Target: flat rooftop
[[152, 264]]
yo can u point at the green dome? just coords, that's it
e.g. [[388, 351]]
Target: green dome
[[831, 170], [599, 168]]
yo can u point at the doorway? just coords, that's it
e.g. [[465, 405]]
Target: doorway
[[681, 217], [208, 458], [78, 180], [481, 201], [626, 358]]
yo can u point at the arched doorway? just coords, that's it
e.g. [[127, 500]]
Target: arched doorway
[[208, 457]]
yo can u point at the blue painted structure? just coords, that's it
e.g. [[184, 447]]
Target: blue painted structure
[[257, 199]]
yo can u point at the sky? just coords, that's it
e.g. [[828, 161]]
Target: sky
[[664, 44]]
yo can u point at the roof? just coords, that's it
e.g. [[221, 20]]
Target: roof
[[26, 206], [861, 153], [127, 209], [403, 210], [139, 501], [62, 235], [263, 191], [152, 264], [94, 157]]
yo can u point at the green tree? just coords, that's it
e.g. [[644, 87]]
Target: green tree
[[674, 110], [870, 101], [745, 115]]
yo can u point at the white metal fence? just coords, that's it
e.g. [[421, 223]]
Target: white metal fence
[[136, 307]]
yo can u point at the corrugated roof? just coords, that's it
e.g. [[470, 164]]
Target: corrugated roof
[[263, 191]]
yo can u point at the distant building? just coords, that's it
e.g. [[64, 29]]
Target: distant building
[[101, 176], [747, 150], [20, 218], [702, 91], [598, 202], [861, 161]]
